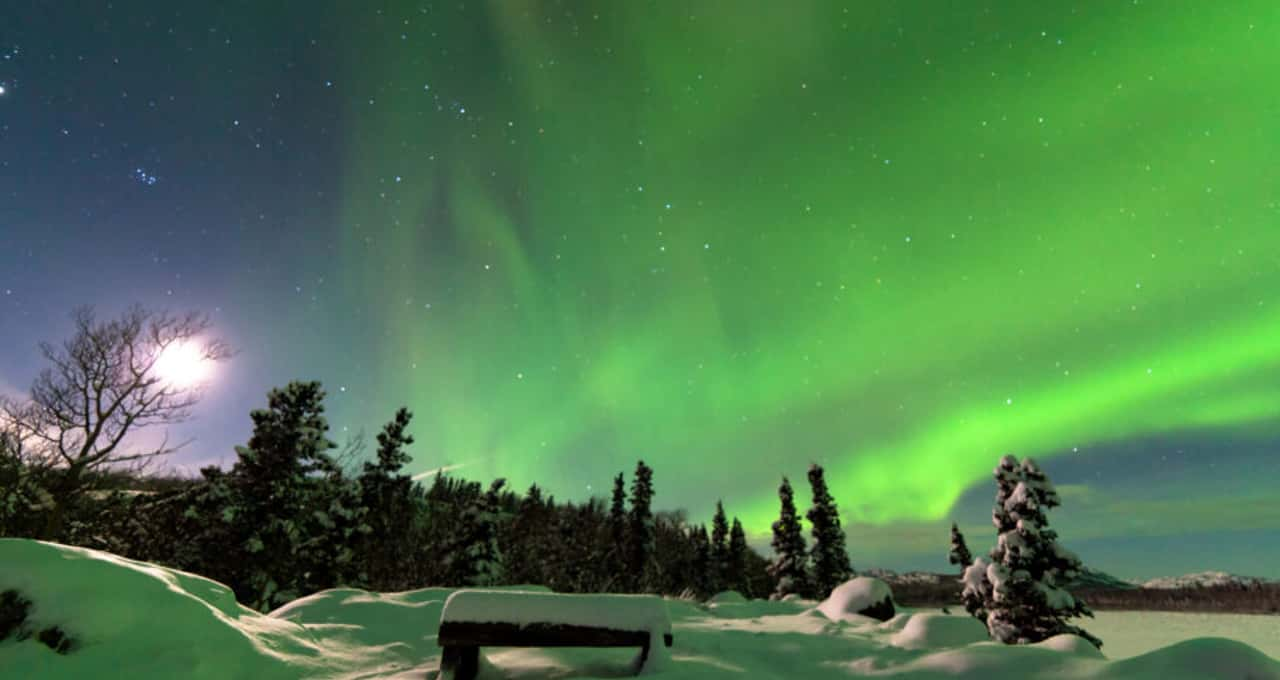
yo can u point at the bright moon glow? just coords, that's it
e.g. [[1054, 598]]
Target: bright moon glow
[[1, 89], [183, 365]]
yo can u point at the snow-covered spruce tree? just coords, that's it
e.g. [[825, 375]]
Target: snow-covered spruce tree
[[618, 534], [718, 571], [388, 496], [1022, 588], [789, 568], [977, 592], [959, 554], [640, 526], [831, 565], [477, 559], [272, 488], [736, 559]]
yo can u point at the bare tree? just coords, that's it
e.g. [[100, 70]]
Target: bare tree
[[102, 387]]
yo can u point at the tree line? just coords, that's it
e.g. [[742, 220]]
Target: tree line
[[294, 515]]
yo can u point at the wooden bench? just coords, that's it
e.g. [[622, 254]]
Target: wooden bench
[[479, 618]]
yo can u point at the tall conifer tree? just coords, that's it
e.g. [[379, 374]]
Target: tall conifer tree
[[789, 569], [831, 565], [640, 534], [736, 559], [717, 576]]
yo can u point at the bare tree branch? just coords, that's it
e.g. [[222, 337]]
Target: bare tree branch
[[102, 386]]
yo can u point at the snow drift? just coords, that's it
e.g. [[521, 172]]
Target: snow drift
[[136, 620]]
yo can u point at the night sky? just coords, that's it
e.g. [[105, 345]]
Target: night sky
[[899, 239]]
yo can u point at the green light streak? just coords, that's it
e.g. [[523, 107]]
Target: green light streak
[[1054, 219]]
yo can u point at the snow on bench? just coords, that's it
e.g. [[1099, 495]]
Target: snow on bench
[[472, 619]]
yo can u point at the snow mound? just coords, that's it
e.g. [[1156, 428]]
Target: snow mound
[[1069, 644], [932, 631], [139, 621], [727, 597], [1198, 658], [169, 623], [863, 596]]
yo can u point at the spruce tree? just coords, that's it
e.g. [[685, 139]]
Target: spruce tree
[[700, 578], [273, 483], [736, 559], [789, 568], [959, 554], [388, 496], [831, 565], [718, 572], [1023, 587], [618, 534], [640, 534], [478, 558], [527, 541]]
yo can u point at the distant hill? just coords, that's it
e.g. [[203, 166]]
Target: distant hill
[[1204, 579], [1090, 579]]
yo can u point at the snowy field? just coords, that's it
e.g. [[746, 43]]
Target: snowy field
[[136, 620]]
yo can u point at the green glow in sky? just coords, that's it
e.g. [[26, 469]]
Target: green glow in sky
[[894, 239]]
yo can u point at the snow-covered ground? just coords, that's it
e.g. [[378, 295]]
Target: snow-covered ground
[[136, 620]]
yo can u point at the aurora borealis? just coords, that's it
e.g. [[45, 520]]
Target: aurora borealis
[[896, 238]]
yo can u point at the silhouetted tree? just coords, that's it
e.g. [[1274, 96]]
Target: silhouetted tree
[[718, 576], [388, 496], [700, 572], [736, 559], [618, 533], [527, 547], [477, 556], [790, 563], [831, 565], [640, 535], [103, 386], [272, 489], [959, 554]]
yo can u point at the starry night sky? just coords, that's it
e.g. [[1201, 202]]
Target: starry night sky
[[896, 238]]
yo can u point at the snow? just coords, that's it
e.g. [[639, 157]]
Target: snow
[[137, 620], [728, 597], [853, 596], [931, 631]]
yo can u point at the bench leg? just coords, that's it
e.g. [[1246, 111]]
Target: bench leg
[[644, 657], [459, 663]]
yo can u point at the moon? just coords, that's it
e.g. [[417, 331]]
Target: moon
[[183, 365]]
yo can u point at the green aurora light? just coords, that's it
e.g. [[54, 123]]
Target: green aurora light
[[900, 242]]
